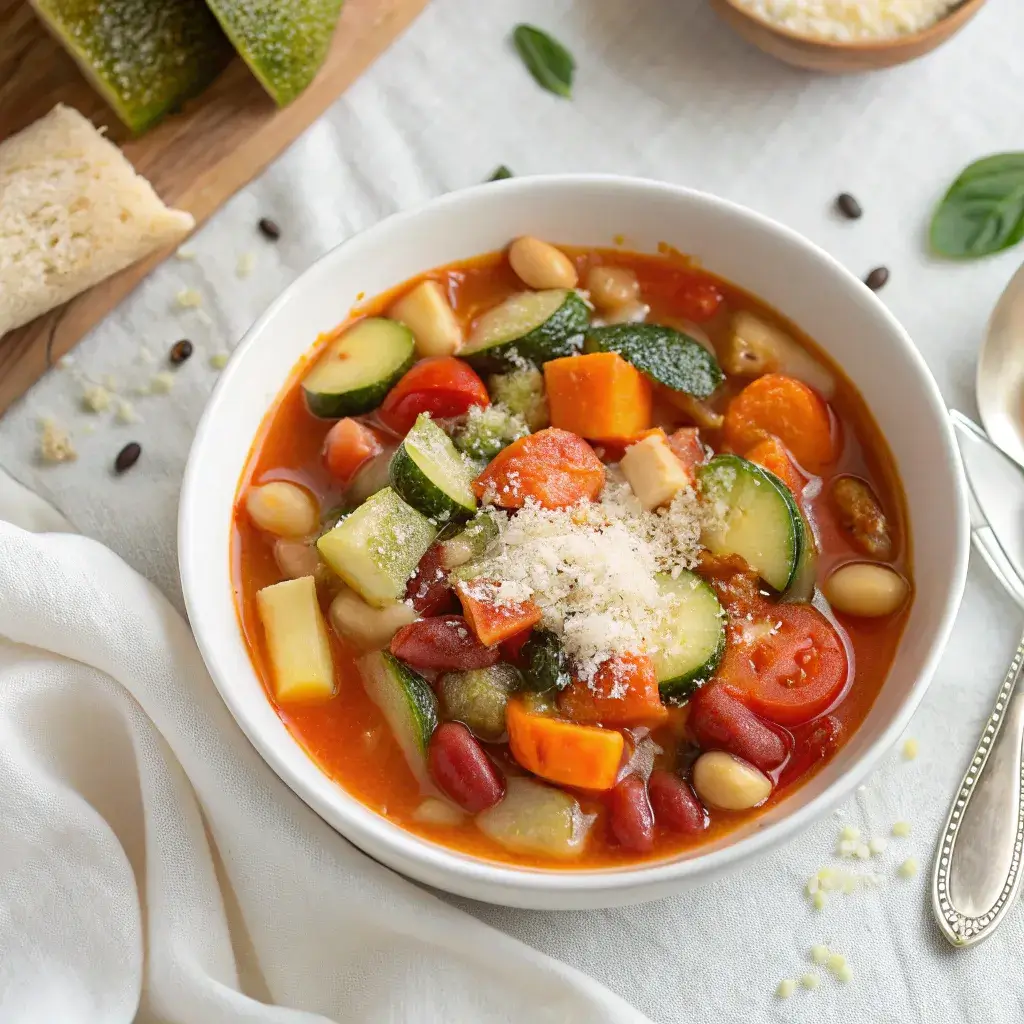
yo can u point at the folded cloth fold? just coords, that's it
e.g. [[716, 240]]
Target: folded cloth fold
[[153, 868]]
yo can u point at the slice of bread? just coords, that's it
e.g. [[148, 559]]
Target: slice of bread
[[72, 212]]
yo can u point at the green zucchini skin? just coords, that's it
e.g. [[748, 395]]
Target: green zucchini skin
[[560, 333]]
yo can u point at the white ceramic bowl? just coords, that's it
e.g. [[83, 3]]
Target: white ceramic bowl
[[771, 261]]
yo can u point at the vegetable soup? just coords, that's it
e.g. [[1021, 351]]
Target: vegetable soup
[[568, 557]]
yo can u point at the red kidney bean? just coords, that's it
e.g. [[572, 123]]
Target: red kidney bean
[[512, 648], [462, 770], [428, 587], [718, 721], [442, 642], [812, 743], [675, 805], [632, 819]]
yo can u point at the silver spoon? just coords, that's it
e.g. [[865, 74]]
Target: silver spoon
[[978, 865], [1000, 381]]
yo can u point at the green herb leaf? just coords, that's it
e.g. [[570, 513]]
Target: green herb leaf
[[550, 63], [500, 173], [983, 211]]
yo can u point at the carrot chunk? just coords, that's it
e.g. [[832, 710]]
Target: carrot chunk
[[789, 410], [772, 455], [491, 622], [598, 396], [623, 692], [584, 756], [554, 467]]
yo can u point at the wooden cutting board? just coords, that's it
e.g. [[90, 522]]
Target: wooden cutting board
[[196, 159]]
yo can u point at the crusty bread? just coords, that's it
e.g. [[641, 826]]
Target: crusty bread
[[72, 212]]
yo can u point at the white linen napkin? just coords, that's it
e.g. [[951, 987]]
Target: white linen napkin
[[153, 868]]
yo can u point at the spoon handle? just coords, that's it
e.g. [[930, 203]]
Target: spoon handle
[[978, 865]]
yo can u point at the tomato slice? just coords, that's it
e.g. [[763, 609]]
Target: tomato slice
[[347, 446], [443, 386], [786, 662]]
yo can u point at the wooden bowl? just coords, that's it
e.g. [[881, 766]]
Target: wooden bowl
[[842, 58]]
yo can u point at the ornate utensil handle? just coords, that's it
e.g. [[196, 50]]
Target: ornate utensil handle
[[978, 865]]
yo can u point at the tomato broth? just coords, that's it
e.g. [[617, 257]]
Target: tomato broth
[[348, 736]]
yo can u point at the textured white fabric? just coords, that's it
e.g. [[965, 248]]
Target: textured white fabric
[[150, 860], [662, 90]]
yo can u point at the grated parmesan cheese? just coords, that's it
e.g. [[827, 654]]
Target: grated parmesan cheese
[[591, 568], [55, 443], [851, 21]]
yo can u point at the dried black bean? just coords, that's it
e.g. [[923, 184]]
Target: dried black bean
[[877, 278], [127, 457], [848, 206], [269, 229], [180, 351]]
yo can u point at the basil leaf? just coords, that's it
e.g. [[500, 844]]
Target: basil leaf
[[983, 211], [550, 63], [500, 173]]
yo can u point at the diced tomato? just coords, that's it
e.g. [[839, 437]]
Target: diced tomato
[[347, 446], [698, 299], [554, 467], [428, 588], [812, 744], [492, 622], [772, 455], [688, 449], [787, 662], [443, 386], [718, 721], [512, 648], [442, 642], [623, 692]]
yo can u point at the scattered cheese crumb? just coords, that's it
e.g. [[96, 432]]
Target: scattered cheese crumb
[[162, 382], [849, 833], [219, 360], [910, 749], [55, 443], [810, 981], [203, 317], [836, 962], [126, 412], [819, 955], [189, 298], [901, 829], [145, 355], [246, 262], [184, 253], [820, 899], [877, 846], [96, 398], [908, 869], [786, 988], [844, 974]]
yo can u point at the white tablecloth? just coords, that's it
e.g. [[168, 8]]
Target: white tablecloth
[[662, 90]]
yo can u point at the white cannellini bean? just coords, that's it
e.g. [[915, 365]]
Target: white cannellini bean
[[611, 287], [296, 558], [427, 312], [283, 509], [628, 313], [368, 628], [726, 782], [541, 265], [866, 589]]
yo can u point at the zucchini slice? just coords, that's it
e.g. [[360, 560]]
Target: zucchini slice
[[805, 577], [758, 519], [358, 368], [689, 637], [376, 548], [663, 353], [478, 698], [407, 702], [431, 475], [530, 327], [547, 666]]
